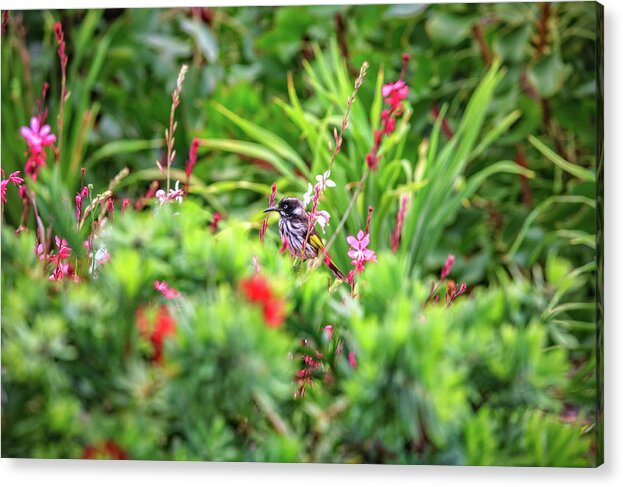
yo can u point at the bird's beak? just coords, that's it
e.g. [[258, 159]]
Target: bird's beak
[[272, 208]]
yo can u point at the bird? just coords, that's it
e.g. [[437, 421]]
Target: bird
[[294, 227]]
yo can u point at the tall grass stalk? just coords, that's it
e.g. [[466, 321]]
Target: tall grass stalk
[[60, 38], [338, 138], [169, 134]]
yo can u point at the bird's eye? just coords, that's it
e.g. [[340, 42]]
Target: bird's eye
[[285, 206]]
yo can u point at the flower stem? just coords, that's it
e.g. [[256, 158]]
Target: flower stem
[[340, 225], [338, 138]]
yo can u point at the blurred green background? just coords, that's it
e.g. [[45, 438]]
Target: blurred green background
[[496, 151]]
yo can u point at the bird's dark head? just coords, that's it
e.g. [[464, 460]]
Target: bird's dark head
[[288, 207]]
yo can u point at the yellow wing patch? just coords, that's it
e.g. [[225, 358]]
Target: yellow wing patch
[[316, 242]]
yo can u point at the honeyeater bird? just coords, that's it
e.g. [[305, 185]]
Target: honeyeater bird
[[293, 228]]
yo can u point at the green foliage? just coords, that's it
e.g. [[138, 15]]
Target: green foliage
[[74, 355]]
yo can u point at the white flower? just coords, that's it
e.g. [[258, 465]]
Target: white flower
[[324, 181], [322, 218], [178, 193], [174, 194], [102, 256], [307, 196], [161, 195]]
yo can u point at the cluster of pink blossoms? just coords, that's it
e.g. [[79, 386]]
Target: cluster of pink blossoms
[[62, 268], [393, 95], [359, 251], [37, 137], [173, 194], [13, 178]]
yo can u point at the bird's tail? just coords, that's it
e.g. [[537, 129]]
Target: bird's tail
[[331, 265]]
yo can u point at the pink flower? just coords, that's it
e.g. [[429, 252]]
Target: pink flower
[[34, 163], [216, 218], [359, 251], [13, 178], [322, 218], [329, 331], [394, 93], [63, 269], [37, 136], [389, 122], [63, 249], [174, 194], [166, 291], [352, 360], [39, 250], [372, 160], [447, 267], [84, 193]]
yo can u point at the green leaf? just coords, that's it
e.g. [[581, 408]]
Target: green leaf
[[203, 36], [267, 138], [566, 166], [549, 75], [117, 147], [513, 46], [448, 29]]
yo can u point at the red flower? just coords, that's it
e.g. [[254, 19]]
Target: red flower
[[163, 326], [215, 221], [256, 290], [373, 161], [274, 312], [388, 121], [107, 450]]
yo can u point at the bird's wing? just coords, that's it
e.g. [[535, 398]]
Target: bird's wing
[[315, 241]]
